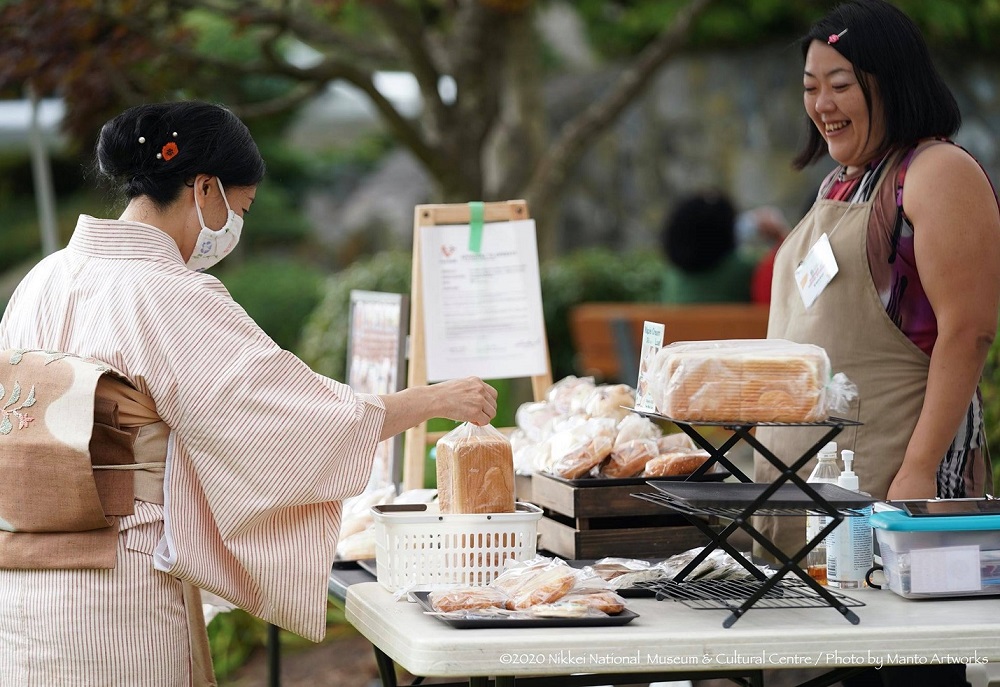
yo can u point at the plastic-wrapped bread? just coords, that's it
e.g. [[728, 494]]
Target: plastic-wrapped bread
[[676, 462], [748, 380], [575, 451], [632, 427], [629, 459], [668, 442], [467, 599], [610, 400], [541, 586], [475, 471]]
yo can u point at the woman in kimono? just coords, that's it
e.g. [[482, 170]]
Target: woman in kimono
[[259, 450]]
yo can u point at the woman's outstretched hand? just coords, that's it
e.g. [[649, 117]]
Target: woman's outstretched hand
[[466, 400]]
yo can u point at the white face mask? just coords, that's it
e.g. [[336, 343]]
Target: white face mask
[[214, 244]]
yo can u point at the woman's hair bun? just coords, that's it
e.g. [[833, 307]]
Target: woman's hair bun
[[154, 149]]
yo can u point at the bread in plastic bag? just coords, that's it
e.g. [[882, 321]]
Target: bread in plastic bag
[[747, 380], [475, 471], [575, 451]]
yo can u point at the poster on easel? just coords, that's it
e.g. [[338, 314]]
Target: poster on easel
[[483, 302], [475, 305], [376, 355]]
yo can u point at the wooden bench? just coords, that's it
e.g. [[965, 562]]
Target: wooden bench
[[607, 336]]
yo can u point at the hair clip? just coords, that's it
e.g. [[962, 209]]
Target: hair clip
[[142, 139], [168, 151], [834, 37]]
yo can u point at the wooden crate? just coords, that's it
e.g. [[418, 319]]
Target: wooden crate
[[584, 522]]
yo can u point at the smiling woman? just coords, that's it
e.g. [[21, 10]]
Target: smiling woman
[[905, 234]]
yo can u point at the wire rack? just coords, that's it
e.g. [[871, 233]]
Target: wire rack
[[777, 591], [731, 594], [733, 513], [732, 424]]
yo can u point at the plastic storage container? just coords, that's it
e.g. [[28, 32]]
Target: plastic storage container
[[416, 546], [926, 557]]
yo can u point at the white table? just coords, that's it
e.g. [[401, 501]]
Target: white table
[[669, 637]]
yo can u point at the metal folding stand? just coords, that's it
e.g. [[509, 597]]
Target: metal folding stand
[[766, 591]]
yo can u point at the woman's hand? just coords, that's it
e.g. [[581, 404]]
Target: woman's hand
[[466, 400]]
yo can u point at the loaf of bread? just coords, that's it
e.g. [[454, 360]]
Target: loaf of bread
[[676, 462], [467, 599], [475, 471], [765, 380]]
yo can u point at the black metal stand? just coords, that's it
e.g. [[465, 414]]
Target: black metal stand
[[741, 514]]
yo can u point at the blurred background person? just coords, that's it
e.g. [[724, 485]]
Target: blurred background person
[[715, 256]]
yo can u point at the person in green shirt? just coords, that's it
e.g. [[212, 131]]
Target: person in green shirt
[[705, 261]]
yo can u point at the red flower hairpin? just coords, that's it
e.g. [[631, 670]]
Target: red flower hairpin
[[834, 37], [168, 151]]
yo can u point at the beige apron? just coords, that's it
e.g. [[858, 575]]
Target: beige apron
[[849, 321]]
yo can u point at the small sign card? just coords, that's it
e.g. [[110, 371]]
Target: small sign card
[[652, 342]]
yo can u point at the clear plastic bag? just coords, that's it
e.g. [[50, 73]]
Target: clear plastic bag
[[475, 471], [747, 380]]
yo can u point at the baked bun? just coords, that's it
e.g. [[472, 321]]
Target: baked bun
[[629, 459], [603, 600], [467, 599], [675, 463], [541, 586]]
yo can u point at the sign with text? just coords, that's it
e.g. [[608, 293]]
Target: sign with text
[[482, 309]]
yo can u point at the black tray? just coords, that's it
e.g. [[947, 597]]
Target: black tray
[[633, 481], [368, 565], [623, 618], [701, 495]]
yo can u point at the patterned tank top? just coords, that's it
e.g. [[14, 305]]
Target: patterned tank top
[[893, 265], [891, 256]]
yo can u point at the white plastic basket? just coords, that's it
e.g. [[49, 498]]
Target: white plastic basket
[[415, 545]]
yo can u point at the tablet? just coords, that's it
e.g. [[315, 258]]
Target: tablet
[[940, 507]]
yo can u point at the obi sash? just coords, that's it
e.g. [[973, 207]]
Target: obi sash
[[78, 444]]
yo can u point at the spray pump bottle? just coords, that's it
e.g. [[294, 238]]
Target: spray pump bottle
[[849, 552]]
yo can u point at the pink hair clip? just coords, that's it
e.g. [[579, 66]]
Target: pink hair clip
[[834, 37]]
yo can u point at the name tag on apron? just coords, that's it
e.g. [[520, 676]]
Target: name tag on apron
[[816, 271]]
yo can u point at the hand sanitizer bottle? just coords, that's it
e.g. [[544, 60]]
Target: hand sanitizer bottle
[[849, 547], [826, 471]]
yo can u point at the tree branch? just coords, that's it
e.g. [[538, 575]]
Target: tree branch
[[405, 25], [550, 174], [295, 97], [305, 28]]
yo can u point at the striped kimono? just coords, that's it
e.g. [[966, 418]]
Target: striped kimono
[[261, 452]]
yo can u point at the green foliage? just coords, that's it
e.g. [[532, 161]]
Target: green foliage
[[324, 338], [274, 223], [591, 275], [233, 637], [990, 387], [620, 28], [279, 294]]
